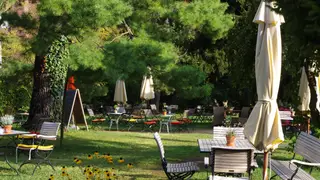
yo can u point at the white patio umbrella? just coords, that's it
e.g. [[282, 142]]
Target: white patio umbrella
[[120, 94], [147, 90], [263, 128], [304, 92]]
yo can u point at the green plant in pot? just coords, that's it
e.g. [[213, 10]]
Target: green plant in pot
[[230, 137], [6, 123]]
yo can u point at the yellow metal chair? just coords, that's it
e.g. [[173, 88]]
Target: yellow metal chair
[[38, 150]]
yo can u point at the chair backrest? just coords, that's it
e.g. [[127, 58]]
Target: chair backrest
[[154, 109], [49, 128], [161, 149], [185, 113], [174, 108], [109, 109], [191, 111], [308, 147], [245, 112], [218, 116], [231, 160], [220, 132], [147, 112], [90, 112], [121, 110]]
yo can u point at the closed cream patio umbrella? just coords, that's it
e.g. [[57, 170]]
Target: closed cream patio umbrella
[[304, 92], [120, 94], [147, 90], [263, 128]]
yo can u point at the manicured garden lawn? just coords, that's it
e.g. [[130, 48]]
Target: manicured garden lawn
[[137, 148]]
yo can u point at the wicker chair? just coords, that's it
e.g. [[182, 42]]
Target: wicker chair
[[178, 170], [230, 161]]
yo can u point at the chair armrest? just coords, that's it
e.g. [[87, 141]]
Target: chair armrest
[[53, 138], [304, 163]]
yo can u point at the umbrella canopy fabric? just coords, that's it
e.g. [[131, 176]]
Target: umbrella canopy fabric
[[147, 90], [304, 92], [263, 128], [120, 94]]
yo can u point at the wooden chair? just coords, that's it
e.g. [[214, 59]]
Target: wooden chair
[[231, 161], [95, 120], [219, 116], [220, 132], [42, 151], [177, 170], [306, 146]]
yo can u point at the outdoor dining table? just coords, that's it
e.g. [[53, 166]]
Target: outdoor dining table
[[12, 135], [205, 145]]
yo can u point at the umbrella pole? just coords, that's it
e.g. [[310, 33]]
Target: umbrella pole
[[265, 166]]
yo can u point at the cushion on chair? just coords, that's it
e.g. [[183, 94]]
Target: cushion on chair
[[98, 120], [26, 146], [132, 120], [177, 122], [150, 122], [27, 136]]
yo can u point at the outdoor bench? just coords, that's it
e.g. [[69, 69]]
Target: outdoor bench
[[309, 148]]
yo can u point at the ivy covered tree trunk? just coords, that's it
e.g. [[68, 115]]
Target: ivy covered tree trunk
[[49, 76], [315, 118]]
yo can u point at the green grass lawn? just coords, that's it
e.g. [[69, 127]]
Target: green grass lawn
[[137, 148]]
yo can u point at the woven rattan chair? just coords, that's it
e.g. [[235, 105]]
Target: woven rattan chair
[[177, 170], [42, 151]]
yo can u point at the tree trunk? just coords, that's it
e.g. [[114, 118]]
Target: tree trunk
[[315, 121], [41, 97]]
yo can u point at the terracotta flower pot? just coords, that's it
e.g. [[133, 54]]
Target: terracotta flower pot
[[7, 128], [165, 113], [230, 140]]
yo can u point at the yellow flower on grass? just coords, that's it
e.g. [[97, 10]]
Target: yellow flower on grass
[[130, 165], [64, 173], [51, 177], [75, 159], [90, 174], [90, 156], [107, 156], [110, 161], [121, 160], [96, 153], [106, 172], [63, 168], [78, 161]]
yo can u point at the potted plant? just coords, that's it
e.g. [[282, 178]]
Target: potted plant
[[115, 108], [230, 137], [164, 111], [6, 122]]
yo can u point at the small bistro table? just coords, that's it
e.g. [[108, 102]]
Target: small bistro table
[[205, 145], [11, 135]]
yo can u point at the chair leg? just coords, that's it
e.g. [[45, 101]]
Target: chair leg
[[117, 122], [168, 127], [160, 127], [110, 125], [7, 161]]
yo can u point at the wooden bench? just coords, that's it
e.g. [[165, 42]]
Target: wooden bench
[[309, 148]]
